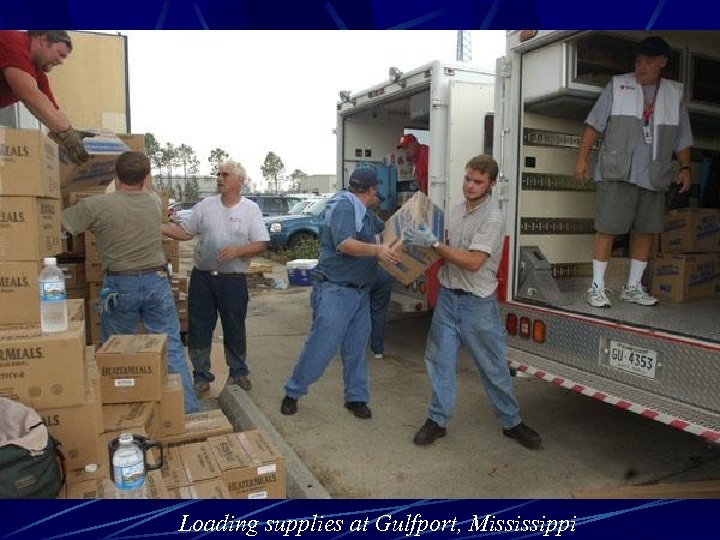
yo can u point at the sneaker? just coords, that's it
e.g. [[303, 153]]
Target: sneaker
[[427, 434], [242, 381], [378, 356], [201, 387], [597, 296], [288, 406], [636, 295], [525, 435], [359, 409]]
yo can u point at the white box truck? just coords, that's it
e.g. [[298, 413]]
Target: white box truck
[[662, 362]]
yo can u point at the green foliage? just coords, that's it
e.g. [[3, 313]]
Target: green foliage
[[272, 167], [217, 156], [306, 250]]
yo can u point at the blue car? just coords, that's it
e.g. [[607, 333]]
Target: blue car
[[292, 231]]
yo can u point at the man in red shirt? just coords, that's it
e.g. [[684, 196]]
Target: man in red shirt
[[418, 154], [25, 58]]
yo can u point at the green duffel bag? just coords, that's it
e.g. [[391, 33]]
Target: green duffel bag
[[31, 464]]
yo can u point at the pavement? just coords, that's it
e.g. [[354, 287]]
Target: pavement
[[586, 444]]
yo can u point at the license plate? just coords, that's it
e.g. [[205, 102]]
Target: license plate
[[637, 360]]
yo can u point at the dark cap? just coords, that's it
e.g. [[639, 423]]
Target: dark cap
[[653, 46], [406, 139], [363, 178]]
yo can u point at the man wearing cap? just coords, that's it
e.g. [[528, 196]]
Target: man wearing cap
[[25, 58], [418, 154], [340, 295], [645, 120]]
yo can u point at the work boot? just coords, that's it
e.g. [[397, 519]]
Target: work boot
[[429, 431], [288, 406], [241, 380], [525, 435], [201, 387], [359, 409]]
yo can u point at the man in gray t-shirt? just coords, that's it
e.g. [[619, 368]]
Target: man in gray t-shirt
[[135, 287], [645, 121]]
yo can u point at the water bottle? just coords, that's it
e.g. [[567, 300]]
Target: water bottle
[[53, 311], [128, 463]]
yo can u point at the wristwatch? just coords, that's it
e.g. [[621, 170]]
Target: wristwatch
[[435, 244]]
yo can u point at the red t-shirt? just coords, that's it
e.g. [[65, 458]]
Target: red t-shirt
[[15, 52], [421, 167]]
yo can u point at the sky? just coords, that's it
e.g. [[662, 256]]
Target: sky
[[251, 92]]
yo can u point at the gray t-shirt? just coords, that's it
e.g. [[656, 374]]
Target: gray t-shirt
[[217, 226], [481, 229], [639, 171], [126, 225]]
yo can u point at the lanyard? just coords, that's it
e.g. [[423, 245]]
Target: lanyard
[[650, 107]]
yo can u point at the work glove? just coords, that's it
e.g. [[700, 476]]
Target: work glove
[[420, 236], [71, 142]]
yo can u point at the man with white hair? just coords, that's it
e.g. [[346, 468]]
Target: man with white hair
[[230, 231]]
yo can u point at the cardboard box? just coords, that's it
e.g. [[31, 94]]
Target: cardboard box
[[75, 309], [104, 148], [199, 427], [685, 277], [172, 407], [74, 197], [74, 274], [691, 230], [19, 293], [133, 368], [414, 260], [131, 418], [43, 371], [211, 489], [251, 468], [29, 228], [103, 488], [198, 462], [173, 472], [29, 164], [77, 428], [133, 141]]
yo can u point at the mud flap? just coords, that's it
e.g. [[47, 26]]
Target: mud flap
[[536, 281]]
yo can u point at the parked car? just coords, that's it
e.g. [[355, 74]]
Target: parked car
[[291, 231], [180, 211], [274, 205]]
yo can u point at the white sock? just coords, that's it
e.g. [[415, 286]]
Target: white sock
[[599, 268], [636, 272]]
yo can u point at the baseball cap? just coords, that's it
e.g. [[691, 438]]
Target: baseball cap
[[653, 46], [406, 139], [364, 177]]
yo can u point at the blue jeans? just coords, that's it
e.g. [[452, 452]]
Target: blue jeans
[[341, 320], [380, 292], [474, 322], [208, 295], [149, 299]]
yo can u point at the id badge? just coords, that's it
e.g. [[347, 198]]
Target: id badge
[[647, 134]]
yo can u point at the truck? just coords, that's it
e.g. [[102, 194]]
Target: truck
[[661, 362]]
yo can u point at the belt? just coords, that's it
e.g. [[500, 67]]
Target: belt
[[141, 272], [461, 291], [319, 278], [226, 274]]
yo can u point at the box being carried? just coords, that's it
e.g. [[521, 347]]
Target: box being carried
[[301, 271], [414, 260], [104, 148]]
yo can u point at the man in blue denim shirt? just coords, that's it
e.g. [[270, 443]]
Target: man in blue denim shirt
[[126, 224], [467, 311], [340, 295]]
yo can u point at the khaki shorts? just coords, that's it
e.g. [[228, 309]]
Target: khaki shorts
[[621, 206]]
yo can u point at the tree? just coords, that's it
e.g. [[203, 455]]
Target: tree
[[216, 157], [297, 175], [152, 147], [272, 167], [192, 190], [168, 158]]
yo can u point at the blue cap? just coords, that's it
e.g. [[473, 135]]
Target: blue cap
[[364, 177]]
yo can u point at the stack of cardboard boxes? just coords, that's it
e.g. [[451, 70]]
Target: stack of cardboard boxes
[[688, 265]]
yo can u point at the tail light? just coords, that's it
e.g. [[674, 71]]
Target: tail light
[[511, 323], [525, 327], [538, 333]]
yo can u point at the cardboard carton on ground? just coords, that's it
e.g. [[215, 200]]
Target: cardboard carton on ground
[[691, 230], [131, 418], [77, 428], [43, 371], [199, 427], [29, 164], [173, 472], [103, 488], [414, 260], [211, 489], [251, 468], [29, 228], [171, 408], [19, 293], [133, 368], [104, 148], [682, 277]]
